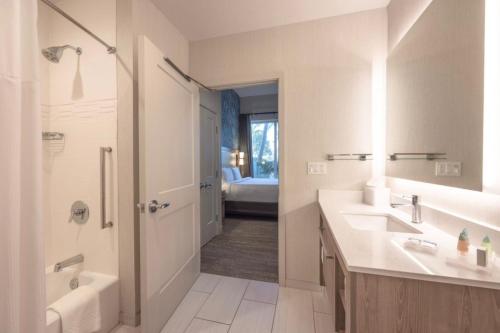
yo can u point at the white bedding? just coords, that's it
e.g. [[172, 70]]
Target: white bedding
[[252, 190]]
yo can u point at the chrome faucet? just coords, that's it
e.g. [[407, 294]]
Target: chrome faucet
[[68, 262], [416, 215]]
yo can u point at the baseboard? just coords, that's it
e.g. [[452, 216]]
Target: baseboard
[[130, 320], [303, 285]]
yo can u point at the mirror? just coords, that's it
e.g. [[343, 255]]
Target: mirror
[[435, 97]]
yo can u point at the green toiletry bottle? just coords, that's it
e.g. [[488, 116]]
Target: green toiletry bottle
[[486, 243]]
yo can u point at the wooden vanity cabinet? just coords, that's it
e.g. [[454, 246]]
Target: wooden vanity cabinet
[[370, 303], [335, 279]]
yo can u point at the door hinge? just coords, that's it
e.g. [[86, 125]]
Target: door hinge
[[216, 129], [216, 173], [216, 217]]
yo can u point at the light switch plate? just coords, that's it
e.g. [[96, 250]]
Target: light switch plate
[[449, 169], [316, 168]]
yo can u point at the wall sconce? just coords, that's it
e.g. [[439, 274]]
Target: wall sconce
[[241, 158]]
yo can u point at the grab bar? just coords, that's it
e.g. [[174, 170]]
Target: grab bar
[[104, 224]]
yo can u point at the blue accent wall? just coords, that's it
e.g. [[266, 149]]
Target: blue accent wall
[[230, 119]]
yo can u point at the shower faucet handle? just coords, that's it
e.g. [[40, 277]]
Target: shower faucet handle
[[79, 212]]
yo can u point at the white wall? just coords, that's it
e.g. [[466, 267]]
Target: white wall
[[79, 100], [326, 68], [402, 15], [150, 21]]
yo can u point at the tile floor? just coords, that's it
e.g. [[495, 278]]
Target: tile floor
[[231, 305]]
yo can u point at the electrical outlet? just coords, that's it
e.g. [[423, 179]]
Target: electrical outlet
[[448, 169], [316, 168], [454, 169]]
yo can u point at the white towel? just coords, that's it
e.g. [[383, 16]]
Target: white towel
[[80, 311]]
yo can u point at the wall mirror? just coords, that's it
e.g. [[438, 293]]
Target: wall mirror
[[435, 97]]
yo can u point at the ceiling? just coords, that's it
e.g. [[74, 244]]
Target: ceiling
[[202, 19], [257, 90]]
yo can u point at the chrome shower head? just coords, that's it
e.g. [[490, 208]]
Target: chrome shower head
[[54, 53]]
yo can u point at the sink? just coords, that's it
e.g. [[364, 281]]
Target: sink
[[386, 223]]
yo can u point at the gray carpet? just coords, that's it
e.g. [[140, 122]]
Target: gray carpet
[[247, 248]]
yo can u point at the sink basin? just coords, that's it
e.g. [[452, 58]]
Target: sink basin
[[386, 223]]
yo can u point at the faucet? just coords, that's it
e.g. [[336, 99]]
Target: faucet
[[68, 262], [416, 215]]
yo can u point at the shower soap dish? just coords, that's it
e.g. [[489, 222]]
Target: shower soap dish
[[55, 141]]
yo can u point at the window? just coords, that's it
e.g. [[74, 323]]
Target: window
[[264, 148]]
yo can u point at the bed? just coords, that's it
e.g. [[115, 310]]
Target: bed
[[249, 196]]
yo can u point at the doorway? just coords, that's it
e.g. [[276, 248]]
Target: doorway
[[246, 243]]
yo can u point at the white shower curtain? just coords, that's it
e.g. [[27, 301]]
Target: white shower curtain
[[22, 284]]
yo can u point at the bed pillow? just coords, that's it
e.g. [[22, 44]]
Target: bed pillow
[[236, 173], [227, 175]]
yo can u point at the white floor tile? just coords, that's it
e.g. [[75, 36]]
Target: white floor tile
[[253, 317], [185, 312], [206, 283], [262, 292], [222, 304], [205, 326], [321, 302], [294, 312], [323, 323]]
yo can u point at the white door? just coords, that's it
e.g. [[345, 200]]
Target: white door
[[169, 175], [208, 174]]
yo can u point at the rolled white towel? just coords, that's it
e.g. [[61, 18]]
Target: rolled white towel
[[79, 310]]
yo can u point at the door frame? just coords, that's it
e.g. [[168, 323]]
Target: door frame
[[279, 78]]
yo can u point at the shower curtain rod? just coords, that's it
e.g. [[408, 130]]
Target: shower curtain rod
[[110, 49]]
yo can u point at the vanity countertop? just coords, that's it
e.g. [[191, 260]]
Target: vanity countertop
[[384, 253]]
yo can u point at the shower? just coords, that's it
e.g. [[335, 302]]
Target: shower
[[54, 53]]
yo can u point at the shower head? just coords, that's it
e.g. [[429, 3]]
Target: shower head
[[54, 53]]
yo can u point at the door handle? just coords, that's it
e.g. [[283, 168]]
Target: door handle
[[154, 206], [205, 185]]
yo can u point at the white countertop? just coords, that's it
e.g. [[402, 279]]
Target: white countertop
[[384, 253]]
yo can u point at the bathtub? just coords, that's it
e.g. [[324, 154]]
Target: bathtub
[[58, 286]]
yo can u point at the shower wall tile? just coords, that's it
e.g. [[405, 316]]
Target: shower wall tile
[[79, 99], [72, 173]]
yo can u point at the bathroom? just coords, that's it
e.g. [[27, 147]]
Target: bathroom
[[389, 190]]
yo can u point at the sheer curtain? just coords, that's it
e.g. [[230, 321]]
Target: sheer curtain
[[22, 284]]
